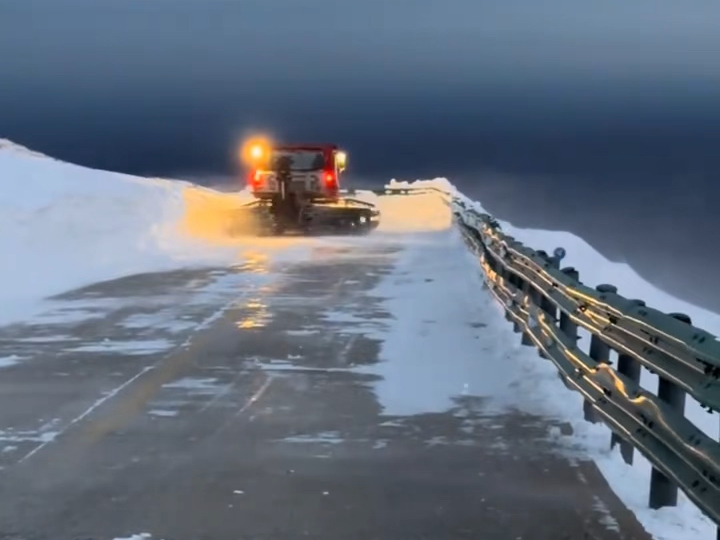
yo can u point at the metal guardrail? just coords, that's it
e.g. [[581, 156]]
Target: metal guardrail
[[397, 191], [547, 304]]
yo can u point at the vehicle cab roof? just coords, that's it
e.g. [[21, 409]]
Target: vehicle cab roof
[[305, 147]]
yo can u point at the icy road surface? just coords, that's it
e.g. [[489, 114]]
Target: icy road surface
[[366, 388]]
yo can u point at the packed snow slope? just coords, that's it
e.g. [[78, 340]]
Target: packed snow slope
[[64, 226]]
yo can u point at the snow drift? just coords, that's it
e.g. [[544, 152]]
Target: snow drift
[[64, 226]]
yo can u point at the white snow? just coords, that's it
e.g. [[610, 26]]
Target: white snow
[[198, 385], [330, 437], [46, 339], [164, 320], [129, 347], [412, 214], [434, 296], [162, 412], [41, 435], [7, 361]]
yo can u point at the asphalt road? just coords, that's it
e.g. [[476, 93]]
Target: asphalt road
[[222, 405]]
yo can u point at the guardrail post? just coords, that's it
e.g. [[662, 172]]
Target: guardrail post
[[600, 352], [663, 492], [545, 303], [630, 368], [508, 277], [528, 293], [536, 299], [508, 317], [516, 282], [567, 326], [489, 260]]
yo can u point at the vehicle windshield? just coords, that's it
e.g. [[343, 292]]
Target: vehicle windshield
[[300, 160]]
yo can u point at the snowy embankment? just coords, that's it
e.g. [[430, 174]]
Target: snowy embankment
[[538, 389], [64, 226]]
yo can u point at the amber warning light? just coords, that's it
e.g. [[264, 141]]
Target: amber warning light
[[254, 152]]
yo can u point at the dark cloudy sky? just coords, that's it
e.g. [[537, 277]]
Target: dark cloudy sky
[[602, 117]]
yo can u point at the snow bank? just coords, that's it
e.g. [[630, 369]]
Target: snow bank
[[413, 213], [442, 184], [64, 226], [540, 391]]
